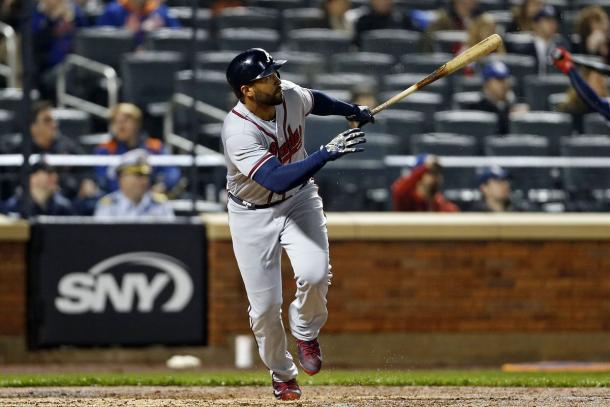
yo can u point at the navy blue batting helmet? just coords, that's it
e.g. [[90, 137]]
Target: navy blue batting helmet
[[250, 65]]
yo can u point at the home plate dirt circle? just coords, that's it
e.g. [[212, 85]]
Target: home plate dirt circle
[[322, 396]]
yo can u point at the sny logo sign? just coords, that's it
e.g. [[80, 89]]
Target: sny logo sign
[[91, 291]]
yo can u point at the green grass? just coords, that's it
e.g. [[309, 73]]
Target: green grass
[[330, 377]]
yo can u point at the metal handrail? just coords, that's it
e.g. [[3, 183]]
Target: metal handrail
[[10, 69], [112, 85], [204, 109]]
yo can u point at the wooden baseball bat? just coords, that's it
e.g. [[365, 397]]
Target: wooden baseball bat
[[483, 48]]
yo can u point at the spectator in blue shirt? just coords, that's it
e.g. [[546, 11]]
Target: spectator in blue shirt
[[138, 16], [54, 26]]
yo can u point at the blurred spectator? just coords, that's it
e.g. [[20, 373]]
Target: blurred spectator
[[420, 190], [381, 15], [46, 137], [44, 191], [495, 192], [134, 198], [546, 38], [589, 91], [54, 25], [9, 13], [337, 16], [593, 30], [482, 27], [523, 15], [138, 16], [126, 133], [498, 96], [457, 15]]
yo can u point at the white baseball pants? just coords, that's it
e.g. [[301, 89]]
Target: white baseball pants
[[298, 226]]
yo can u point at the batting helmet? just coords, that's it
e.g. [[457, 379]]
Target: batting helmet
[[250, 65]]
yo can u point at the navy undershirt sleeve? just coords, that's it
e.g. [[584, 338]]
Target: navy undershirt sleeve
[[280, 178], [325, 105], [589, 96]]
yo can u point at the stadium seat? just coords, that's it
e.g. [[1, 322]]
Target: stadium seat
[[538, 88], [323, 40], [492, 5], [72, 122], [465, 100], [240, 39], [592, 178], [377, 146], [448, 41], [469, 122], [179, 40], [449, 144], [367, 63], [215, 61], [104, 44], [7, 122], [279, 4], [403, 124], [552, 125], [468, 83], [399, 82], [394, 42], [148, 76], [300, 79], [298, 18], [419, 4], [424, 63], [555, 100], [211, 88], [248, 17], [319, 130], [594, 123], [518, 42], [10, 100], [426, 102], [306, 63], [522, 145], [185, 16], [344, 81]]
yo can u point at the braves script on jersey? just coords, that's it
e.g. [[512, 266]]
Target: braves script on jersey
[[250, 141]]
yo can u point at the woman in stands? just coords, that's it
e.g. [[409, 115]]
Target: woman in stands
[[523, 15], [593, 30]]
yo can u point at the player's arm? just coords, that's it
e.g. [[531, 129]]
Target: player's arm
[[325, 105], [279, 178], [563, 61]]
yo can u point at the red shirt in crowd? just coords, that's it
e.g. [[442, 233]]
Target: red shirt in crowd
[[406, 198]]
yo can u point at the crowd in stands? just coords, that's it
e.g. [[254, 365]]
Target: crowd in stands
[[533, 28]]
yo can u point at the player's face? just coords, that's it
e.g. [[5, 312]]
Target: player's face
[[268, 91]]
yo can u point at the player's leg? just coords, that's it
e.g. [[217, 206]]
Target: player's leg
[[255, 236], [305, 240]]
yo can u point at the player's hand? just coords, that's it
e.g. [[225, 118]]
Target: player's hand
[[362, 115], [562, 59], [345, 143]]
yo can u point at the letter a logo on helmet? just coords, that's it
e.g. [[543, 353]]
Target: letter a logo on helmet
[[250, 65]]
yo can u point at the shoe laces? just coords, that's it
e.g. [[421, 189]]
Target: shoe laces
[[310, 348]]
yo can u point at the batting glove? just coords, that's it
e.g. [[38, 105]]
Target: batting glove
[[362, 115], [344, 143], [562, 59]]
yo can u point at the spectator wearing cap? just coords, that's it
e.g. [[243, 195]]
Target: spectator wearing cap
[[420, 190], [134, 198], [138, 16], [126, 135], [546, 37], [495, 191], [498, 96], [45, 196]]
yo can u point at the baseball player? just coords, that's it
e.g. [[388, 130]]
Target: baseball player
[[274, 205], [562, 59]]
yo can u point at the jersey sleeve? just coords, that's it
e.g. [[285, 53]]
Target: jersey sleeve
[[247, 153], [303, 94]]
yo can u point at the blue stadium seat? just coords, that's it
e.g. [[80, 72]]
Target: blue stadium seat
[[72, 122], [538, 88], [7, 122], [248, 17], [325, 41], [185, 16], [104, 44], [426, 102], [594, 123], [179, 40], [403, 124], [343, 81], [367, 63], [449, 41], [298, 18], [241, 39], [552, 125], [215, 61], [319, 130], [394, 42], [470, 122]]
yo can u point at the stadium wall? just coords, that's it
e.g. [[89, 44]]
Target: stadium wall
[[416, 288]]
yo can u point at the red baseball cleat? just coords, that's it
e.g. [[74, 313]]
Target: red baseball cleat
[[310, 356], [289, 390]]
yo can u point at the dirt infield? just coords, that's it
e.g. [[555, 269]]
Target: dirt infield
[[317, 396]]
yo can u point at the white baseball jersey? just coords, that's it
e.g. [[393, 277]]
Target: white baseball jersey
[[249, 142]]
